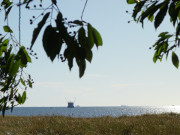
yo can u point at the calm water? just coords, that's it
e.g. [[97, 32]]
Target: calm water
[[92, 111]]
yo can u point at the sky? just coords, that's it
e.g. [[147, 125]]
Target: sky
[[122, 71]]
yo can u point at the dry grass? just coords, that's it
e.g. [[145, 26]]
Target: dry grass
[[163, 124]]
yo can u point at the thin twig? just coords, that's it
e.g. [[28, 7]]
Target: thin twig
[[42, 12], [19, 22], [84, 9], [51, 13], [39, 8]]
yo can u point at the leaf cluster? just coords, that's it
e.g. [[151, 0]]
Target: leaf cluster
[[11, 74], [14, 58], [155, 11], [70, 41], [78, 37]]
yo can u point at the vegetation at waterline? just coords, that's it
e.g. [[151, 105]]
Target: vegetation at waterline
[[156, 124]]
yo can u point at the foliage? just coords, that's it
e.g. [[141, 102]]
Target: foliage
[[12, 76], [155, 11], [71, 41], [77, 36]]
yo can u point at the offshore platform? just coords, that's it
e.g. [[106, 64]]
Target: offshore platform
[[70, 104]]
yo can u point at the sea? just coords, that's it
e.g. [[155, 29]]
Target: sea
[[88, 112]]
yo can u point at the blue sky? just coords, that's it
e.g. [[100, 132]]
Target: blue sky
[[122, 71]]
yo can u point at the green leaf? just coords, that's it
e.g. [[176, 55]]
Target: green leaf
[[7, 12], [162, 34], [151, 18], [82, 36], [23, 98], [8, 54], [52, 42], [155, 57], [78, 22], [5, 42], [10, 63], [14, 68], [150, 11], [160, 15], [70, 62], [24, 1], [82, 67], [173, 12], [3, 48], [160, 49], [6, 3], [23, 56], [175, 60], [83, 40], [81, 53], [138, 8], [178, 4], [89, 55], [97, 38], [7, 29], [179, 15], [26, 55], [30, 83], [11, 94], [59, 19], [22, 82], [38, 29], [69, 55], [90, 35], [131, 1], [165, 46], [1, 39], [19, 99], [178, 30]]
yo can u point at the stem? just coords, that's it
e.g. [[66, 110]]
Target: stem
[[20, 22], [84, 9]]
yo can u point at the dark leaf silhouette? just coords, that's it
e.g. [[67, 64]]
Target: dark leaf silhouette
[[175, 60], [38, 29]]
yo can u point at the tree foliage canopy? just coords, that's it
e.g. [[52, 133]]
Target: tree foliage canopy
[[155, 11], [77, 36]]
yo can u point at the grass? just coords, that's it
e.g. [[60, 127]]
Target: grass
[[160, 124]]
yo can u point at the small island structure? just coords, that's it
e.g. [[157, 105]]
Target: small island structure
[[70, 105]]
